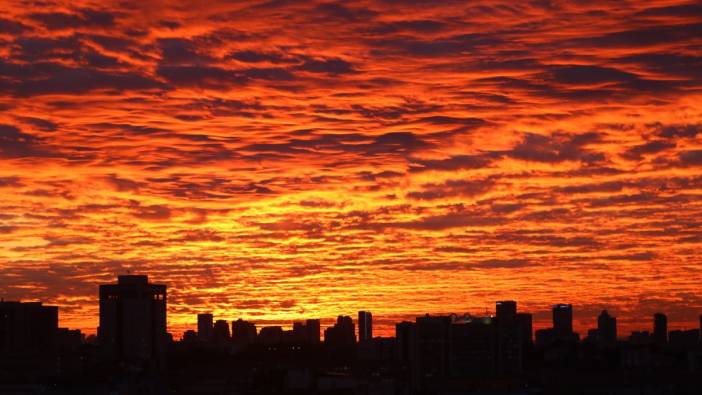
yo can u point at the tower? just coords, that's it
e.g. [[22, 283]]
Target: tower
[[365, 326], [660, 328], [506, 312], [133, 322], [509, 338], [606, 329], [563, 321], [204, 326]]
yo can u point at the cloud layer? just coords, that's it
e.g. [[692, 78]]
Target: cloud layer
[[286, 159]]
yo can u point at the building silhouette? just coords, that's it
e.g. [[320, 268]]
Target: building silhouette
[[33, 347], [342, 334], [506, 311], [243, 332], [684, 339], [403, 341], [524, 322], [660, 328], [442, 349], [562, 320], [509, 338], [271, 335], [190, 337], [204, 326], [132, 327], [365, 326], [434, 354], [27, 327], [313, 331], [429, 358], [299, 333], [220, 332], [477, 348], [606, 330]]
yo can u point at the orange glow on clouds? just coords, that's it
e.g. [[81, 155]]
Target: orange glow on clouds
[[279, 160]]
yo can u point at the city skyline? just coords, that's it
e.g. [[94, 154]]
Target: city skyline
[[433, 354], [278, 160], [561, 318]]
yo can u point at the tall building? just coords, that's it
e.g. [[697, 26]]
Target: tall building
[[444, 348], [312, 329], [299, 333], [204, 326], [506, 312], [509, 338], [271, 335], [606, 330], [220, 332], [305, 332], [479, 347], [365, 326], [563, 321], [404, 332], [660, 328], [430, 351], [27, 328], [342, 334], [243, 332], [524, 322], [133, 322]]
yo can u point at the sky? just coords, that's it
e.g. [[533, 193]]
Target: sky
[[296, 159]]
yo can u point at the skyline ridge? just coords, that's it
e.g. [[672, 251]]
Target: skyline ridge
[[386, 324]]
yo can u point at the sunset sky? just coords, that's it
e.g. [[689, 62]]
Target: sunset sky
[[289, 159]]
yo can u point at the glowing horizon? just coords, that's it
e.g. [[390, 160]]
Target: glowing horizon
[[280, 160]]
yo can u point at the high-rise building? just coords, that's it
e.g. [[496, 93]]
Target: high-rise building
[[220, 332], [606, 330], [660, 328], [312, 328], [365, 326], [506, 312], [478, 346], [509, 341], [455, 347], [342, 334], [243, 332], [204, 326], [271, 335], [403, 340], [431, 351], [563, 321], [299, 333], [524, 322], [133, 322], [27, 328], [305, 332]]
